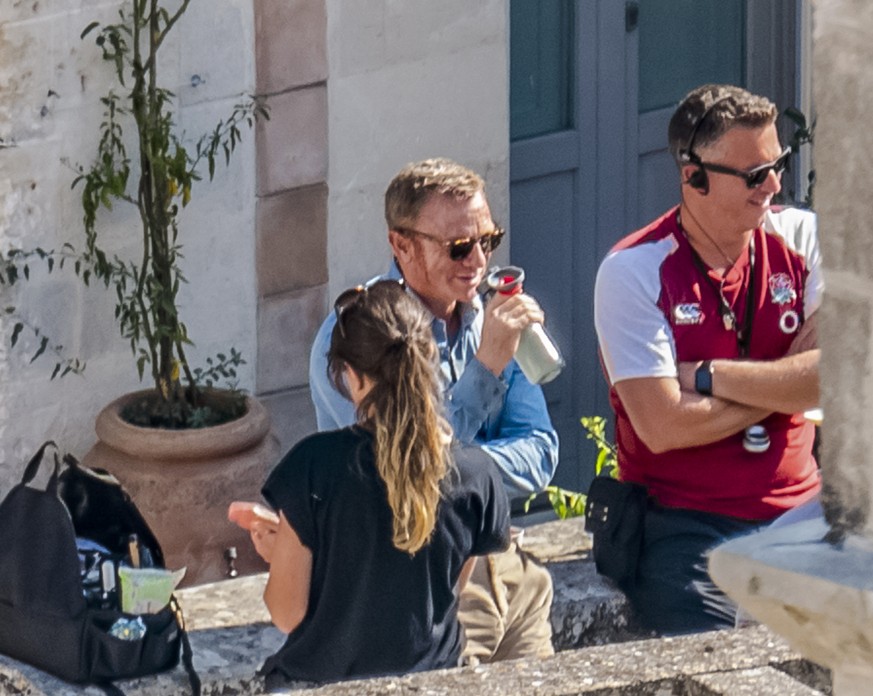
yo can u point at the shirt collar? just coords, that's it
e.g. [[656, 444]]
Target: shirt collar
[[469, 310]]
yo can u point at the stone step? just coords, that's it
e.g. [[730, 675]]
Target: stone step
[[231, 635]]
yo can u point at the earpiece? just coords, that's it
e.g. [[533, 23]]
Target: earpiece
[[698, 179]]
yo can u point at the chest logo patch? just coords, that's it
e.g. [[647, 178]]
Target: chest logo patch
[[688, 313], [782, 289]]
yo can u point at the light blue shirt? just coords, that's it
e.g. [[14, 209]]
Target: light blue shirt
[[506, 415]]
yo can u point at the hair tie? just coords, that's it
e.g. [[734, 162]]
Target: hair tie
[[399, 342]]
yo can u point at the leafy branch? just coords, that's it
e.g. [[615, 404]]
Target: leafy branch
[[147, 288], [571, 503], [63, 365], [607, 459]]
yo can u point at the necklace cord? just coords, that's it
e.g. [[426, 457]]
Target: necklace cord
[[705, 234], [744, 334]]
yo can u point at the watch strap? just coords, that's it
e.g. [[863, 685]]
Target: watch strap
[[703, 378]]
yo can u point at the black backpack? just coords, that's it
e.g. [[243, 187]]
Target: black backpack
[[49, 615]]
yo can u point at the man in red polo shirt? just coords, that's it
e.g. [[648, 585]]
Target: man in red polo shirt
[[706, 323]]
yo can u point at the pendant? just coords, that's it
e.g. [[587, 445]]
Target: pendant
[[728, 319]]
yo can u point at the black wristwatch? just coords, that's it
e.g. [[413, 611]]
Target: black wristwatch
[[703, 378]]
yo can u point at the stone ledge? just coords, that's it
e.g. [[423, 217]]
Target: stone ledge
[[726, 663], [586, 609], [231, 636]]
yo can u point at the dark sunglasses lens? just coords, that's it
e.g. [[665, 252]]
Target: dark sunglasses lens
[[755, 179], [491, 241], [758, 177], [461, 249]]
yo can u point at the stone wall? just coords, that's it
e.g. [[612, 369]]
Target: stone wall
[[355, 90], [358, 89], [49, 115], [292, 205], [409, 80], [843, 84]]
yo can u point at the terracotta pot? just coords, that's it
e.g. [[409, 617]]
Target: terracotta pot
[[183, 480]]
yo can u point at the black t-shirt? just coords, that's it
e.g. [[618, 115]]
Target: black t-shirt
[[373, 609]]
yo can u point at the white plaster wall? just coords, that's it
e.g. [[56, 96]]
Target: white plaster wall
[[40, 51], [409, 79]]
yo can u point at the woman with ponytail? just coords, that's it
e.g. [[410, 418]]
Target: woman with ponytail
[[377, 521]]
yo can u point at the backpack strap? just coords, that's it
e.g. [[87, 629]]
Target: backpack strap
[[187, 653], [33, 466], [109, 689]]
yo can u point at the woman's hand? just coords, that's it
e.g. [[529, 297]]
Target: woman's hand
[[263, 534], [287, 592], [261, 523], [245, 514]]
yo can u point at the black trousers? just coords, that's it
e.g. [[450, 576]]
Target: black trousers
[[673, 593]]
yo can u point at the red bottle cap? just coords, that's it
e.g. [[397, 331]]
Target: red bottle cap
[[506, 280]]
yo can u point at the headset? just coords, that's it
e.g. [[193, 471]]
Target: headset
[[699, 178]]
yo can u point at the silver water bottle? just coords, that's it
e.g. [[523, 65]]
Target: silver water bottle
[[537, 355]]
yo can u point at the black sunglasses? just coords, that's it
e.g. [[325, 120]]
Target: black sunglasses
[[757, 176], [460, 249], [349, 297]]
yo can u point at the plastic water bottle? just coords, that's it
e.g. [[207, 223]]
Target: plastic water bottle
[[537, 355]]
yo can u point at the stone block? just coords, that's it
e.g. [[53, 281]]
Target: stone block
[[37, 206], [586, 608], [383, 119], [842, 51], [290, 44], [357, 221], [213, 42], [292, 145], [293, 415], [847, 386], [371, 34], [292, 240], [814, 593], [26, 78], [759, 681], [287, 324]]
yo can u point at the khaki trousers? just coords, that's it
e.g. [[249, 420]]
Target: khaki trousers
[[504, 608]]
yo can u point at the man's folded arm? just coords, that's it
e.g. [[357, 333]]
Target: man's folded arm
[[666, 417]]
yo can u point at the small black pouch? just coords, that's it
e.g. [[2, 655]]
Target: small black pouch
[[615, 513]]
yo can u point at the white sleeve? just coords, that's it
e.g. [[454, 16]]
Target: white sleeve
[[799, 229], [634, 335]]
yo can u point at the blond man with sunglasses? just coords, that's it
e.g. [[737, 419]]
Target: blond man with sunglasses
[[706, 323], [441, 235]]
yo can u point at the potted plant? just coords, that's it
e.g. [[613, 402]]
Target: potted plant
[[183, 448]]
